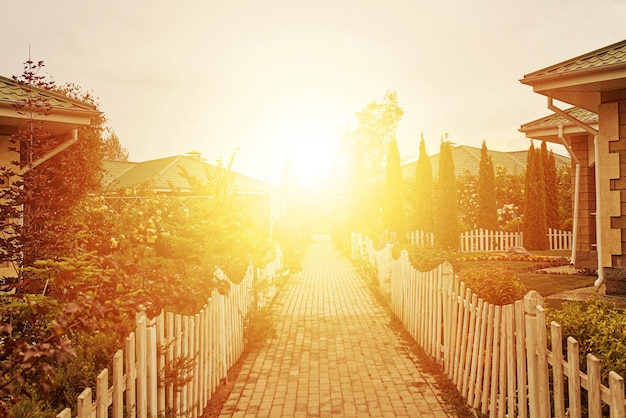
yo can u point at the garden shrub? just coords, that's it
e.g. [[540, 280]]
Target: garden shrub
[[428, 257], [495, 283], [600, 329]]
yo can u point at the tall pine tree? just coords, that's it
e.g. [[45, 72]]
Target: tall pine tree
[[535, 230], [551, 191], [487, 211], [424, 219], [447, 215], [393, 199]]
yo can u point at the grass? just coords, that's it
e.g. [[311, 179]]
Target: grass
[[528, 272]]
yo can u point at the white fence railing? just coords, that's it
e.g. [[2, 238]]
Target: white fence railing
[[479, 240], [498, 357], [209, 343]]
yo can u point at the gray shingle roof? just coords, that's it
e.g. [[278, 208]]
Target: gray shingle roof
[[467, 161], [609, 55], [11, 91]]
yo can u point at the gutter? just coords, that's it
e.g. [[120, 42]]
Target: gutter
[[593, 132], [53, 152]]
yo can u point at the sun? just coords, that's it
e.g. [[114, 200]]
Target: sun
[[310, 142]]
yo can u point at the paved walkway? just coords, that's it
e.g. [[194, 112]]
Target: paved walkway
[[333, 355]]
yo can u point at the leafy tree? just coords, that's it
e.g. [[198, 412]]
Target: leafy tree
[[365, 147], [535, 229], [44, 192], [487, 211], [113, 150], [424, 218], [393, 199], [447, 215], [551, 192]]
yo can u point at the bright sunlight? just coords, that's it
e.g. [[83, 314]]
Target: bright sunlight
[[310, 140]]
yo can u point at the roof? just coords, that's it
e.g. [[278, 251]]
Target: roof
[[166, 174], [546, 128], [581, 80], [467, 161], [65, 113]]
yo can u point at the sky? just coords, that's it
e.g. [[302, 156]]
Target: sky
[[265, 79]]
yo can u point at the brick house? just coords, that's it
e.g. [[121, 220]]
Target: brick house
[[594, 131]]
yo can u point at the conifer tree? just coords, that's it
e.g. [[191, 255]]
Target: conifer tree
[[534, 227], [487, 211], [425, 202], [551, 190], [447, 216], [393, 199]]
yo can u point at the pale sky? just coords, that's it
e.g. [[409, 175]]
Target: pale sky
[[268, 76]]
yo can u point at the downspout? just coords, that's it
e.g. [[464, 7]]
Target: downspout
[[576, 194], [72, 140], [593, 132]]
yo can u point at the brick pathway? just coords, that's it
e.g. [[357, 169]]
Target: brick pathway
[[333, 355]]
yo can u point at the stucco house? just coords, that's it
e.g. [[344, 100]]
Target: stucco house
[[65, 116], [165, 176], [594, 132]]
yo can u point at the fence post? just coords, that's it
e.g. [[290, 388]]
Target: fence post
[[531, 300]]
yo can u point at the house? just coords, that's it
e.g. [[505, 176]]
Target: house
[[172, 175], [64, 118], [594, 132], [467, 161]]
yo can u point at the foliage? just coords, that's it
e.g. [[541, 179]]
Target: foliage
[[551, 191], [495, 283], [535, 228], [258, 326], [424, 208], [447, 217], [44, 193], [600, 329], [365, 147], [393, 199], [487, 214], [428, 257], [93, 352], [509, 194]]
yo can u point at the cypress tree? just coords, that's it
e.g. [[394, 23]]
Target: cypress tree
[[425, 200], [534, 227], [487, 211], [393, 202], [447, 215], [551, 191]]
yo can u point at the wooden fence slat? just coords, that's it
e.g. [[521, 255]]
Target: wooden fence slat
[[594, 391], [573, 378], [616, 387], [520, 342], [558, 387], [488, 355], [131, 375], [102, 394], [495, 352], [118, 384], [84, 404]]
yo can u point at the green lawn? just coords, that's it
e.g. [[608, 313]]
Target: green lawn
[[544, 283]]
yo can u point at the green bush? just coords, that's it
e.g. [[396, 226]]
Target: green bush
[[600, 329], [427, 257], [495, 283]]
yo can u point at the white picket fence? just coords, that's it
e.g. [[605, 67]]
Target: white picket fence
[[210, 341], [497, 356], [483, 240]]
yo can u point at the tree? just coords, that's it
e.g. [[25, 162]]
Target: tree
[[551, 187], [424, 219], [393, 198], [447, 216], [534, 226], [364, 148], [487, 211], [43, 195]]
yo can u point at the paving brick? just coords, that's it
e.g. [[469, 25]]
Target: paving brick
[[333, 353]]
